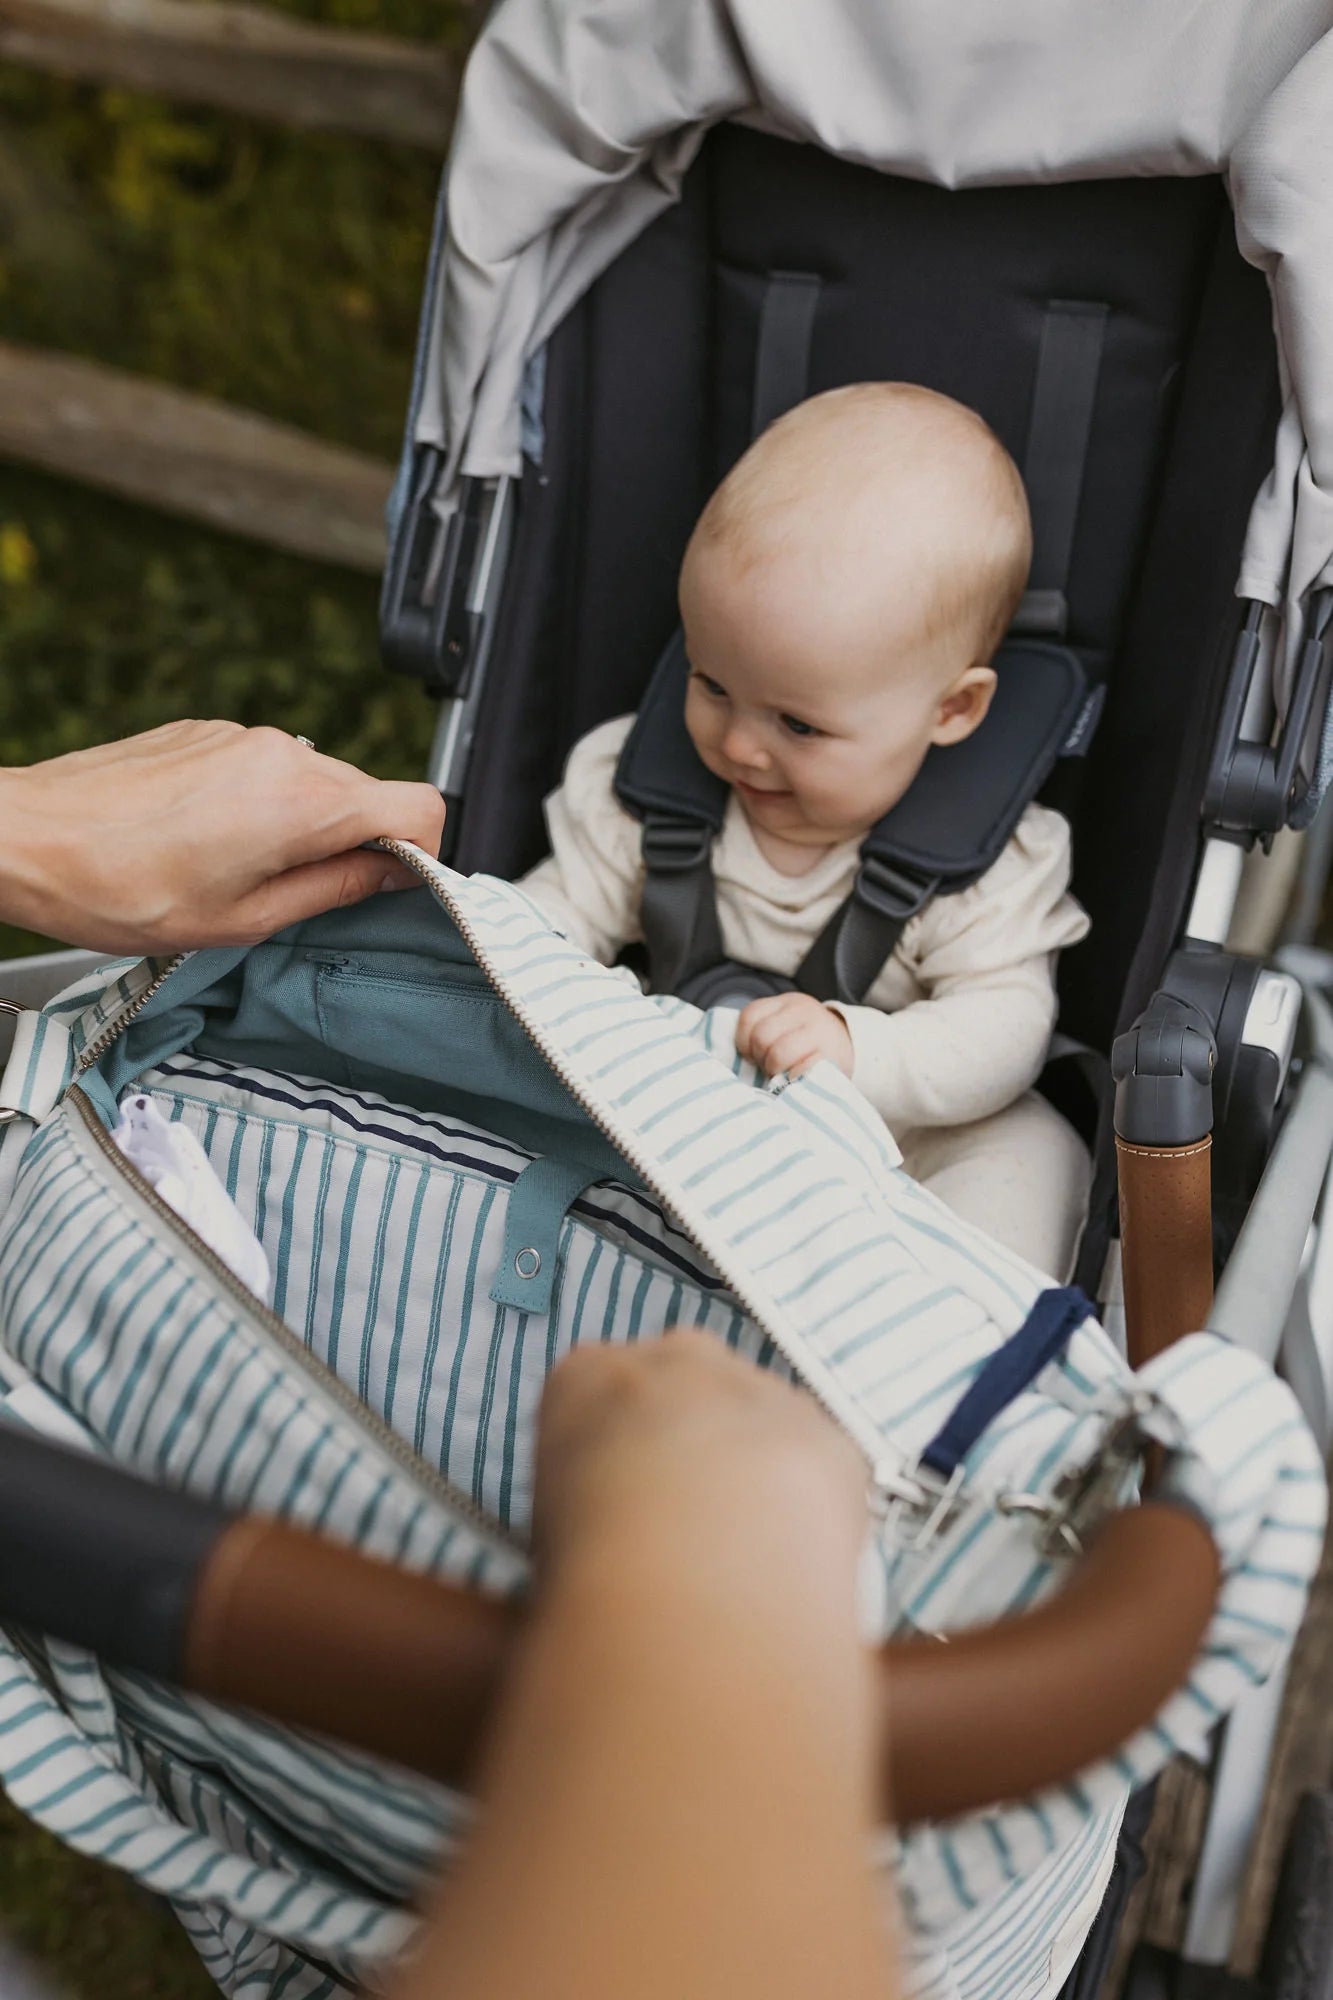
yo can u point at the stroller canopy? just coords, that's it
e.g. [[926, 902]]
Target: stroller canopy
[[579, 119]]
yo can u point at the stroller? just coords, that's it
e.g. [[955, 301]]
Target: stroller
[[599, 344]]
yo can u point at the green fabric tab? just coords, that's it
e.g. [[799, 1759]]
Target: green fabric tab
[[538, 1203]]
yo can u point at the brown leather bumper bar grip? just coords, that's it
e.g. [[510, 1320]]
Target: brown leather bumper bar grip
[[1163, 1070], [1166, 1242], [312, 1633]]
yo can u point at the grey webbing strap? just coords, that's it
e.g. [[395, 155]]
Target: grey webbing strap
[[782, 358], [678, 907], [678, 910], [858, 940], [1068, 364]]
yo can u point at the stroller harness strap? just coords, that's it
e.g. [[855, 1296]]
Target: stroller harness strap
[[944, 834], [1069, 362], [782, 358]]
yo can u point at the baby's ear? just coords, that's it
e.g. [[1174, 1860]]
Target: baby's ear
[[963, 708]]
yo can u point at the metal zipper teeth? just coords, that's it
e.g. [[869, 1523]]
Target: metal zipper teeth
[[880, 1456], [113, 1032], [325, 1380]]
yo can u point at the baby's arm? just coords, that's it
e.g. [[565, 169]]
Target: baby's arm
[[942, 1061], [986, 961], [591, 885], [978, 1038], [789, 1031], [958, 1055]]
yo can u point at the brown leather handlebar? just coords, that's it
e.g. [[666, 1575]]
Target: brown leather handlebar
[[315, 1634], [1001, 1712], [1166, 1242]]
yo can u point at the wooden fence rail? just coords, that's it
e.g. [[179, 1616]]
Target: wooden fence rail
[[242, 58], [192, 456]]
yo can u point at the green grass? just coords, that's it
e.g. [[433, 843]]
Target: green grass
[[94, 1933], [280, 271]]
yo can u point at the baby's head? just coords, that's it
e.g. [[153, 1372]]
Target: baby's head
[[843, 595]]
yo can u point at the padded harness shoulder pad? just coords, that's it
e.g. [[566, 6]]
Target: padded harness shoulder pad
[[954, 821], [950, 827]]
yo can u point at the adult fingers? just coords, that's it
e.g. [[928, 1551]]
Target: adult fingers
[[305, 891], [380, 807]]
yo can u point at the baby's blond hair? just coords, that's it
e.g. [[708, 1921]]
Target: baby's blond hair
[[888, 459]]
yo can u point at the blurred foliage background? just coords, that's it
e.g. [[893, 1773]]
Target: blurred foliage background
[[281, 271], [278, 270]]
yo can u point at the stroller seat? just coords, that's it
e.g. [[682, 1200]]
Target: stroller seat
[[1114, 338]]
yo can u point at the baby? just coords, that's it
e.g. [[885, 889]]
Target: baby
[[843, 595]]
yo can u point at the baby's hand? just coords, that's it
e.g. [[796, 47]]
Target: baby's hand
[[790, 1031]]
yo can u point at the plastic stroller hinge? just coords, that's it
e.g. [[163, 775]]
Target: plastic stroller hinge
[[427, 628], [1254, 787], [1163, 1071]]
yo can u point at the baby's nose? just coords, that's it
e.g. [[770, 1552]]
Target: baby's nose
[[742, 746]]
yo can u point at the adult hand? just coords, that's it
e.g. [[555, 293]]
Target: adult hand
[[678, 1792], [676, 1453], [198, 833], [791, 1031]]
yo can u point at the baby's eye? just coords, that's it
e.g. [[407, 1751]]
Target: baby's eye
[[710, 686], [797, 727]]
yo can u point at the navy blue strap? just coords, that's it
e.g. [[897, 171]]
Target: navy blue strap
[[1057, 1314]]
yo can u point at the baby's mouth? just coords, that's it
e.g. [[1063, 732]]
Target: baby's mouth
[[759, 791]]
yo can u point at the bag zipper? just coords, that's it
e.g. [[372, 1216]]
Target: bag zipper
[[330, 1385], [115, 1029]]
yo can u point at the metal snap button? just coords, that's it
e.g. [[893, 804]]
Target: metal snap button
[[528, 1262]]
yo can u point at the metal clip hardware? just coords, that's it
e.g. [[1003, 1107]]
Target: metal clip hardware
[[918, 1506], [1083, 1496], [12, 1010]]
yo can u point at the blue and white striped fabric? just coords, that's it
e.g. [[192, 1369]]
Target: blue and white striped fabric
[[390, 1398]]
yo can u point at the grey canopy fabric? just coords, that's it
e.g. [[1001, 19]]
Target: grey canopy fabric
[[580, 117]]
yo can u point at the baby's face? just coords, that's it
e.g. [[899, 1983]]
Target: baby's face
[[818, 719]]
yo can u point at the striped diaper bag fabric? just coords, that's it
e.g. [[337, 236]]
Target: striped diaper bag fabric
[[466, 1149]]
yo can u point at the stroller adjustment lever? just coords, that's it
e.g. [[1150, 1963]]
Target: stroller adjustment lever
[[1256, 787]]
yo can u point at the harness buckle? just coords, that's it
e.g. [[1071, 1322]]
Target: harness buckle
[[675, 846], [890, 890]]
